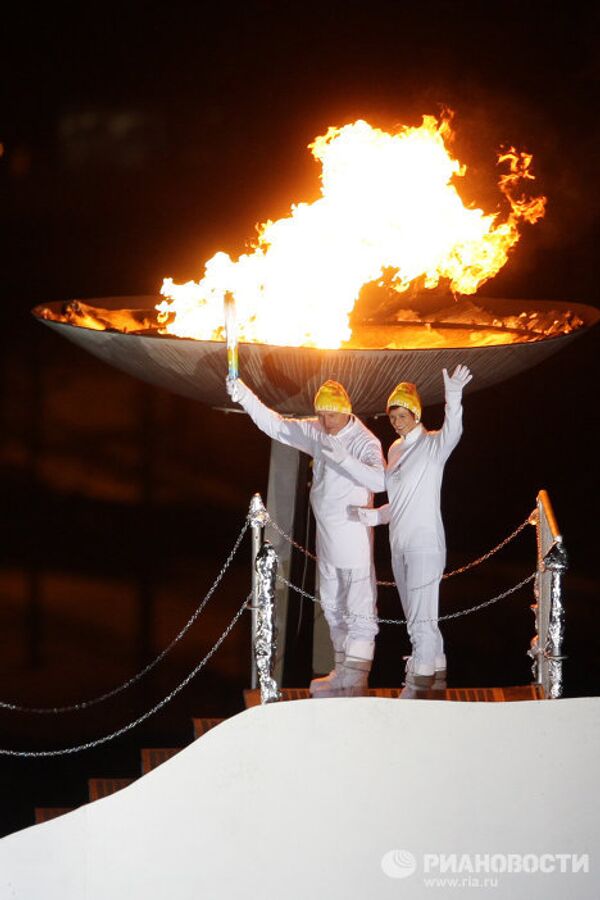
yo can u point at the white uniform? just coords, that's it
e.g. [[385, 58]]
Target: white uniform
[[413, 482], [344, 545]]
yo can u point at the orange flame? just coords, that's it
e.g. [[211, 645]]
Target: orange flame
[[389, 209]]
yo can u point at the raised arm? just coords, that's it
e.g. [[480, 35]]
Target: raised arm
[[294, 432], [451, 431]]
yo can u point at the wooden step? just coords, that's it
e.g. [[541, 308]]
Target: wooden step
[[471, 695], [489, 695], [102, 787], [45, 813], [201, 726], [154, 756]]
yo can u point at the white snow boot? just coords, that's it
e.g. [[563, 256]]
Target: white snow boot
[[418, 674], [355, 677], [440, 667], [351, 680], [328, 682]]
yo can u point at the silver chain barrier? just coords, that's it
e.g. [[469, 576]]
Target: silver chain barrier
[[85, 704], [109, 737], [455, 615], [460, 570]]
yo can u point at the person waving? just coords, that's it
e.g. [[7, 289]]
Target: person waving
[[413, 481]]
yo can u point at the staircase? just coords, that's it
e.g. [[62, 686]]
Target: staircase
[[151, 757]]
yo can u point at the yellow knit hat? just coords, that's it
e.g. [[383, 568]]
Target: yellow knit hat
[[405, 394], [332, 397]]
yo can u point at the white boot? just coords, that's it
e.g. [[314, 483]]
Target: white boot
[[357, 665], [328, 682], [418, 674], [355, 677], [351, 680], [440, 667]]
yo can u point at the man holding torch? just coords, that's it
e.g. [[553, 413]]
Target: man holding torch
[[348, 469]]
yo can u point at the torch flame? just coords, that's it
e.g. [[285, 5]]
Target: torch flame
[[389, 210]]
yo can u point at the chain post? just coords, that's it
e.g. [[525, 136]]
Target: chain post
[[265, 640], [258, 518], [549, 611], [557, 563]]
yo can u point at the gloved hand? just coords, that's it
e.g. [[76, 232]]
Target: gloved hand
[[458, 380], [232, 386], [366, 515], [333, 450]]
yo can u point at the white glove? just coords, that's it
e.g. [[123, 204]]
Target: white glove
[[366, 515], [233, 388], [458, 380], [334, 450]]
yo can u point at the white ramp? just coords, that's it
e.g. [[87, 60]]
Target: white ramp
[[357, 798]]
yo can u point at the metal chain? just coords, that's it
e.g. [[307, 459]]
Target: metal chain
[[291, 540], [460, 570], [455, 615], [109, 737], [469, 610], [85, 704]]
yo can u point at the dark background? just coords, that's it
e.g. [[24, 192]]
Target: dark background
[[136, 142]]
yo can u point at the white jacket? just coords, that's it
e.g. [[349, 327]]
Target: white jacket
[[342, 541], [413, 481]]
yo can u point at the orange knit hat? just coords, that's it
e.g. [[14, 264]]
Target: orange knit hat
[[332, 397], [405, 394]]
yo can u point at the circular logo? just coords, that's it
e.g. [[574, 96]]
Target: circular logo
[[399, 864]]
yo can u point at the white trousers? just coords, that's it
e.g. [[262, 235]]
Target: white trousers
[[418, 574], [349, 601]]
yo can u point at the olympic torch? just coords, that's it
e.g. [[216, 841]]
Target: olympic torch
[[231, 336]]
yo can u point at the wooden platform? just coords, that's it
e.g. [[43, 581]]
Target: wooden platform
[[468, 695], [490, 695]]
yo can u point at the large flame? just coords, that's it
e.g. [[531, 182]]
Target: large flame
[[389, 210]]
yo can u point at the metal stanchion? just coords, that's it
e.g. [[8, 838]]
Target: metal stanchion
[[546, 646], [265, 644], [555, 562], [258, 518]]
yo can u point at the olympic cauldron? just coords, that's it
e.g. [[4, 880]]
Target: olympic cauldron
[[286, 378]]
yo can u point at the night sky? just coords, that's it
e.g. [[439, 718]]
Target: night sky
[[136, 142]]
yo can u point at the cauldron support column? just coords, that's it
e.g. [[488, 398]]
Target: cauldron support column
[[285, 501], [281, 506]]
